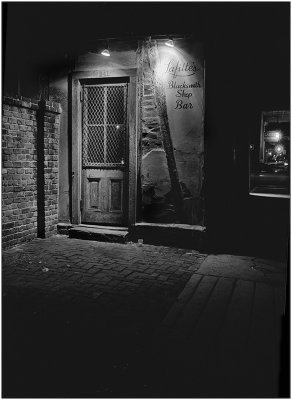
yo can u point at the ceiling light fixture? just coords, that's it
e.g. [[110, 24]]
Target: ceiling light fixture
[[169, 42], [105, 51]]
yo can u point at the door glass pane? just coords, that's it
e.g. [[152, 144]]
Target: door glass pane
[[95, 144], [104, 125], [115, 144], [94, 95], [115, 105]]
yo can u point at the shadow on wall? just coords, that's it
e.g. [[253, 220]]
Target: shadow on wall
[[40, 117], [157, 196]]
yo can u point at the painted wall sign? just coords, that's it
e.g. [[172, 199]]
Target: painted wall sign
[[182, 73], [181, 70], [177, 68]]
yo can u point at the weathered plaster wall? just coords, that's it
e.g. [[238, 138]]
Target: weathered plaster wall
[[185, 108], [122, 56], [181, 73], [154, 175], [186, 124]]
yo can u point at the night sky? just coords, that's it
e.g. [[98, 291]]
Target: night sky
[[46, 30]]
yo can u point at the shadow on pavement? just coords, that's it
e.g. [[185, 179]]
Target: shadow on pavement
[[57, 348]]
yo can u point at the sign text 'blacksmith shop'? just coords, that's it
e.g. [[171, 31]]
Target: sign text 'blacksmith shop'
[[178, 70]]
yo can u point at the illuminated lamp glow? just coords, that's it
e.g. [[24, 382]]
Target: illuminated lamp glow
[[105, 52], [278, 135], [169, 43], [279, 149], [160, 70]]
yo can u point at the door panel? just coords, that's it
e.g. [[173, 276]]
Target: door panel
[[104, 158], [116, 195], [94, 191], [103, 196]]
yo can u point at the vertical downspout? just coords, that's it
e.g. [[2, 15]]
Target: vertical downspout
[[40, 142]]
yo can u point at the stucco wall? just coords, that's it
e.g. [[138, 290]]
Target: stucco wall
[[155, 198], [181, 72]]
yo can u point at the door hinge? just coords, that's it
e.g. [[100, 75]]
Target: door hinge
[[81, 204], [81, 96]]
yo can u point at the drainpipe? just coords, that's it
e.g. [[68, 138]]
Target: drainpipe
[[40, 117]]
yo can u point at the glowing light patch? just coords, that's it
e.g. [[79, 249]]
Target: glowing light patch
[[273, 136], [105, 52], [169, 43], [278, 135], [279, 149]]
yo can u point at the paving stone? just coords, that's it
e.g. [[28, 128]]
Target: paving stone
[[108, 305], [240, 267]]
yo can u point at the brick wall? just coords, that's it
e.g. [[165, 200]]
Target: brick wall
[[151, 133], [30, 136], [153, 171]]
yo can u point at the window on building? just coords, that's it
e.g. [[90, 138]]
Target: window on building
[[270, 159]]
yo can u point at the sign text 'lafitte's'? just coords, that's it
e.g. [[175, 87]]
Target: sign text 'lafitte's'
[[177, 68]]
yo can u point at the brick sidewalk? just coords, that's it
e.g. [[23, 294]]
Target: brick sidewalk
[[85, 303], [91, 319], [81, 270], [226, 327]]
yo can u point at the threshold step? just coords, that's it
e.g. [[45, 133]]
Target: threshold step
[[176, 235], [100, 234], [109, 227]]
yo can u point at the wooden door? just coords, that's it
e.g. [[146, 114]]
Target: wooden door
[[104, 153]]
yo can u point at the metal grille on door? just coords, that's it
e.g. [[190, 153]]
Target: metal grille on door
[[104, 125]]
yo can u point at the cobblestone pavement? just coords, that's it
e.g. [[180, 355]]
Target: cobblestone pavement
[[91, 319], [81, 303]]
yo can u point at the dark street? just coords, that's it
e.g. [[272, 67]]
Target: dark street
[[90, 319], [146, 199]]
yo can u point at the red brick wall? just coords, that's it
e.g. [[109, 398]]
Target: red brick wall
[[20, 153]]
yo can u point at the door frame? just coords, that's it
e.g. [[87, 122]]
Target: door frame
[[76, 173]]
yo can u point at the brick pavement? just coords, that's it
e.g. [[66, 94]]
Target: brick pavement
[[82, 303], [94, 269], [112, 320]]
